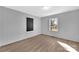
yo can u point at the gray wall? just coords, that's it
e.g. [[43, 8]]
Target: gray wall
[[68, 25], [13, 26]]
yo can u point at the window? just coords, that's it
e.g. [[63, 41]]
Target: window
[[53, 24], [29, 24]]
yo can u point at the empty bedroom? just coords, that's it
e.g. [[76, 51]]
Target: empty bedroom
[[39, 28]]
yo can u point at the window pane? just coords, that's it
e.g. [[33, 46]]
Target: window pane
[[53, 24]]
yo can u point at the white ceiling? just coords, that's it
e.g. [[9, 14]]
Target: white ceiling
[[39, 11]]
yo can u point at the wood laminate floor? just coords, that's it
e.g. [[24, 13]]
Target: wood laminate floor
[[39, 43]]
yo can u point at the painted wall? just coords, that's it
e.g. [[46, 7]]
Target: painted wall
[[68, 25], [13, 26]]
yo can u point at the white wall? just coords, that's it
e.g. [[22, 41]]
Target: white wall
[[68, 25], [13, 26]]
